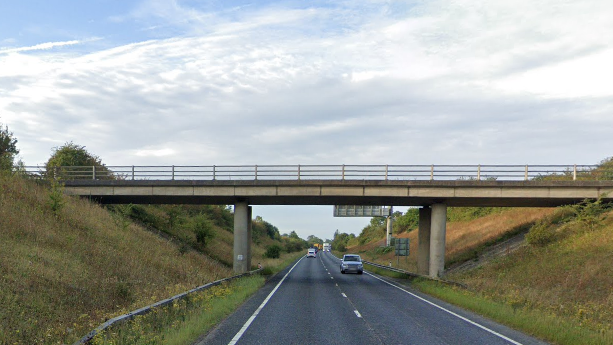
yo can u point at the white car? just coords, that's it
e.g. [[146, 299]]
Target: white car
[[311, 253], [352, 263]]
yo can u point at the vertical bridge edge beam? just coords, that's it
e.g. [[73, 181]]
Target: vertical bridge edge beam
[[242, 241], [423, 241], [437, 240]]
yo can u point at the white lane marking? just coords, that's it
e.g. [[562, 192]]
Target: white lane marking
[[449, 311], [331, 277], [342, 293], [357, 313], [248, 323]]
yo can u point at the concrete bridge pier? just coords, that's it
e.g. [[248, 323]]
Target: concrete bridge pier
[[437, 240], [242, 237], [423, 241], [390, 226]]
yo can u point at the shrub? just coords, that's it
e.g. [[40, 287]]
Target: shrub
[[56, 197], [273, 252], [541, 234], [203, 229]]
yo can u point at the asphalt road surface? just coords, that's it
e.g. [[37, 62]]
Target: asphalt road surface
[[311, 302]]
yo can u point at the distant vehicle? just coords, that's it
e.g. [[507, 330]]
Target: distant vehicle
[[327, 247], [352, 263], [311, 253]]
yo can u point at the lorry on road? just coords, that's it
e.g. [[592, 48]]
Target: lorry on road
[[327, 247]]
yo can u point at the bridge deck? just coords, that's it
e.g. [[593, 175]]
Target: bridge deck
[[347, 192]]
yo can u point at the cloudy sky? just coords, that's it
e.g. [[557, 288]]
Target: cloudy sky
[[185, 82]]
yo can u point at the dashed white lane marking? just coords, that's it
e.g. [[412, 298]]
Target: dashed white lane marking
[[449, 311], [342, 293], [331, 277], [357, 313], [248, 323]]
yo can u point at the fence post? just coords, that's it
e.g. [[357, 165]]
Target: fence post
[[214, 173], [526, 173], [343, 173], [173, 172], [256, 172], [93, 172], [386, 171], [298, 172], [479, 172], [133, 173], [432, 172], [575, 172]]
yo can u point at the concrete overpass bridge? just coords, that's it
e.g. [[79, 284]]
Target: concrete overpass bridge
[[434, 188]]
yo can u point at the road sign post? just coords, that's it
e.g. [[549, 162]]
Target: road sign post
[[401, 248]]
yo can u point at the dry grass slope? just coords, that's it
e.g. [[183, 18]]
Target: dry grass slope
[[63, 273], [569, 278], [462, 237]]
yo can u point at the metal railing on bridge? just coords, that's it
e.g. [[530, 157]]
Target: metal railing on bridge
[[330, 172]]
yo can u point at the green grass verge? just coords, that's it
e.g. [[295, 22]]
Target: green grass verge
[[187, 319], [554, 329], [386, 273]]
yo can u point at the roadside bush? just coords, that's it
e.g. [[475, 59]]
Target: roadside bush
[[340, 247], [203, 229], [541, 234], [273, 252]]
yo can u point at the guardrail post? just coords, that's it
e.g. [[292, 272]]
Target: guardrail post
[[479, 172], [526, 173], [298, 172], [343, 173], [133, 173], [93, 172], [386, 171], [432, 172], [256, 172], [575, 172]]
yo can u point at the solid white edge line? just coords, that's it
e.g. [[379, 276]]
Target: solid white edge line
[[248, 323], [357, 313], [342, 293], [449, 311]]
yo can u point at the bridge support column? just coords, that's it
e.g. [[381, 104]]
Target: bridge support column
[[423, 240], [242, 238], [437, 240], [388, 237]]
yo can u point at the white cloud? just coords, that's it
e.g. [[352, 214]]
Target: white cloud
[[41, 46], [276, 84]]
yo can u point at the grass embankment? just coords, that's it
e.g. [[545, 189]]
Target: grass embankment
[[569, 278], [467, 236], [558, 288], [67, 265], [186, 320]]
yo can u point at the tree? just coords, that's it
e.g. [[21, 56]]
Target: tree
[[312, 239], [81, 161], [273, 251], [8, 149]]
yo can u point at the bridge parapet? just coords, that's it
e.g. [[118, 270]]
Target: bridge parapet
[[340, 172]]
